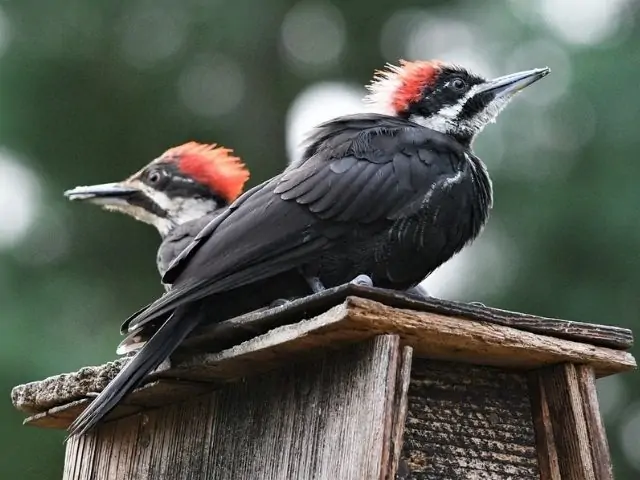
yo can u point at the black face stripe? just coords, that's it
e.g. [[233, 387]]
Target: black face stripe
[[175, 184], [442, 93], [475, 105], [139, 199]]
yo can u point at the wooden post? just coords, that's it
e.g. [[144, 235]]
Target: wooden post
[[354, 383], [332, 417], [569, 413]]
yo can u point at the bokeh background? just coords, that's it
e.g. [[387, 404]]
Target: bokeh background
[[91, 91]]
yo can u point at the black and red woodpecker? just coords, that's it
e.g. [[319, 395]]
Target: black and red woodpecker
[[178, 193], [388, 196]]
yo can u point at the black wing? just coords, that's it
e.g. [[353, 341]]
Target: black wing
[[360, 169]]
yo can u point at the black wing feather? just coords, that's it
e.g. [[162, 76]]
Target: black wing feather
[[287, 231], [287, 223], [360, 193]]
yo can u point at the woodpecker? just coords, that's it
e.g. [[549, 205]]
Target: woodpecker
[[178, 193], [389, 196]]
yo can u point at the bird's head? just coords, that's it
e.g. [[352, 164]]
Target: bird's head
[[183, 184], [444, 97]]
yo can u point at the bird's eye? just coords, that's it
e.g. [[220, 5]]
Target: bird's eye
[[154, 177], [458, 84]]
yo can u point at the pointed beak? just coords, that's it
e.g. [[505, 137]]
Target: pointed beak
[[511, 84], [103, 194]]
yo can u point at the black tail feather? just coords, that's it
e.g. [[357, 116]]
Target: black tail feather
[[154, 352]]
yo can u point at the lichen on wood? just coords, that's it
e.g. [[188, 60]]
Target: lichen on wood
[[468, 422]]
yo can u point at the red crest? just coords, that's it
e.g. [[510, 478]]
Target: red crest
[[213, 166], [396, 87]]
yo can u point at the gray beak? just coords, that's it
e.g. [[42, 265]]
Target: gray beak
[[513, 83], [106, 193]]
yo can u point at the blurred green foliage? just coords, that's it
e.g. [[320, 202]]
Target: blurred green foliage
[[91, 91]]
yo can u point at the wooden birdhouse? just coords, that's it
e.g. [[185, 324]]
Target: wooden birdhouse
[[353, 383]]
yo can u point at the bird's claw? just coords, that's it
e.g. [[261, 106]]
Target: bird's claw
[[478, 304], [362, 281], [315, 284], [417, 292], [279, 302]]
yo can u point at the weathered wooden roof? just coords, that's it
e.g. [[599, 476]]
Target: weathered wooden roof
[[263, 340]]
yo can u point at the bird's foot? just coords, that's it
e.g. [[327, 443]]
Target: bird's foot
[[362, 281], [279, 302], [315, 284], [417, 292], [478, 304]]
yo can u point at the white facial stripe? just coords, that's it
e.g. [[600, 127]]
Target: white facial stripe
[[179, 209], [159, 198], [445, 120]]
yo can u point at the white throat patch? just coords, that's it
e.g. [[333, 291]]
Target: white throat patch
[[446, 120]]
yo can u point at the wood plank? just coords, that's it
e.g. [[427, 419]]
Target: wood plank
[[151, 395], [467, 421], [545, 444], [570, 432], [451, 338], [322, 419], [392, 450], [240, 329], [603, 467], [431, 336]]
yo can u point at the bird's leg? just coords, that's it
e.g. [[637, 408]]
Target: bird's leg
[[417, 292], [315, 284], [362, 280], [279, 302], [478, 304]]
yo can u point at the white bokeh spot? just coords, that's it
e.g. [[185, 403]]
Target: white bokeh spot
[[313, 35], [584, 23], [483, 268], [316, 104], [20, 193], [212, 86], [153, 31]]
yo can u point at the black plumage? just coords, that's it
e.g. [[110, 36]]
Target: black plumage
[[178, 239], [374, 194]]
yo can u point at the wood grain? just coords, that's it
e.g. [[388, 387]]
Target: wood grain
[[154, 394], [322, 419], [468, 422], [570, 431], [392, 449], [602, 466], [432, 336], [242, 328], [451, 338], [545, 444], [594, 334]]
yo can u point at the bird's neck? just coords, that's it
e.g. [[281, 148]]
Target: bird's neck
[[186, 211]]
